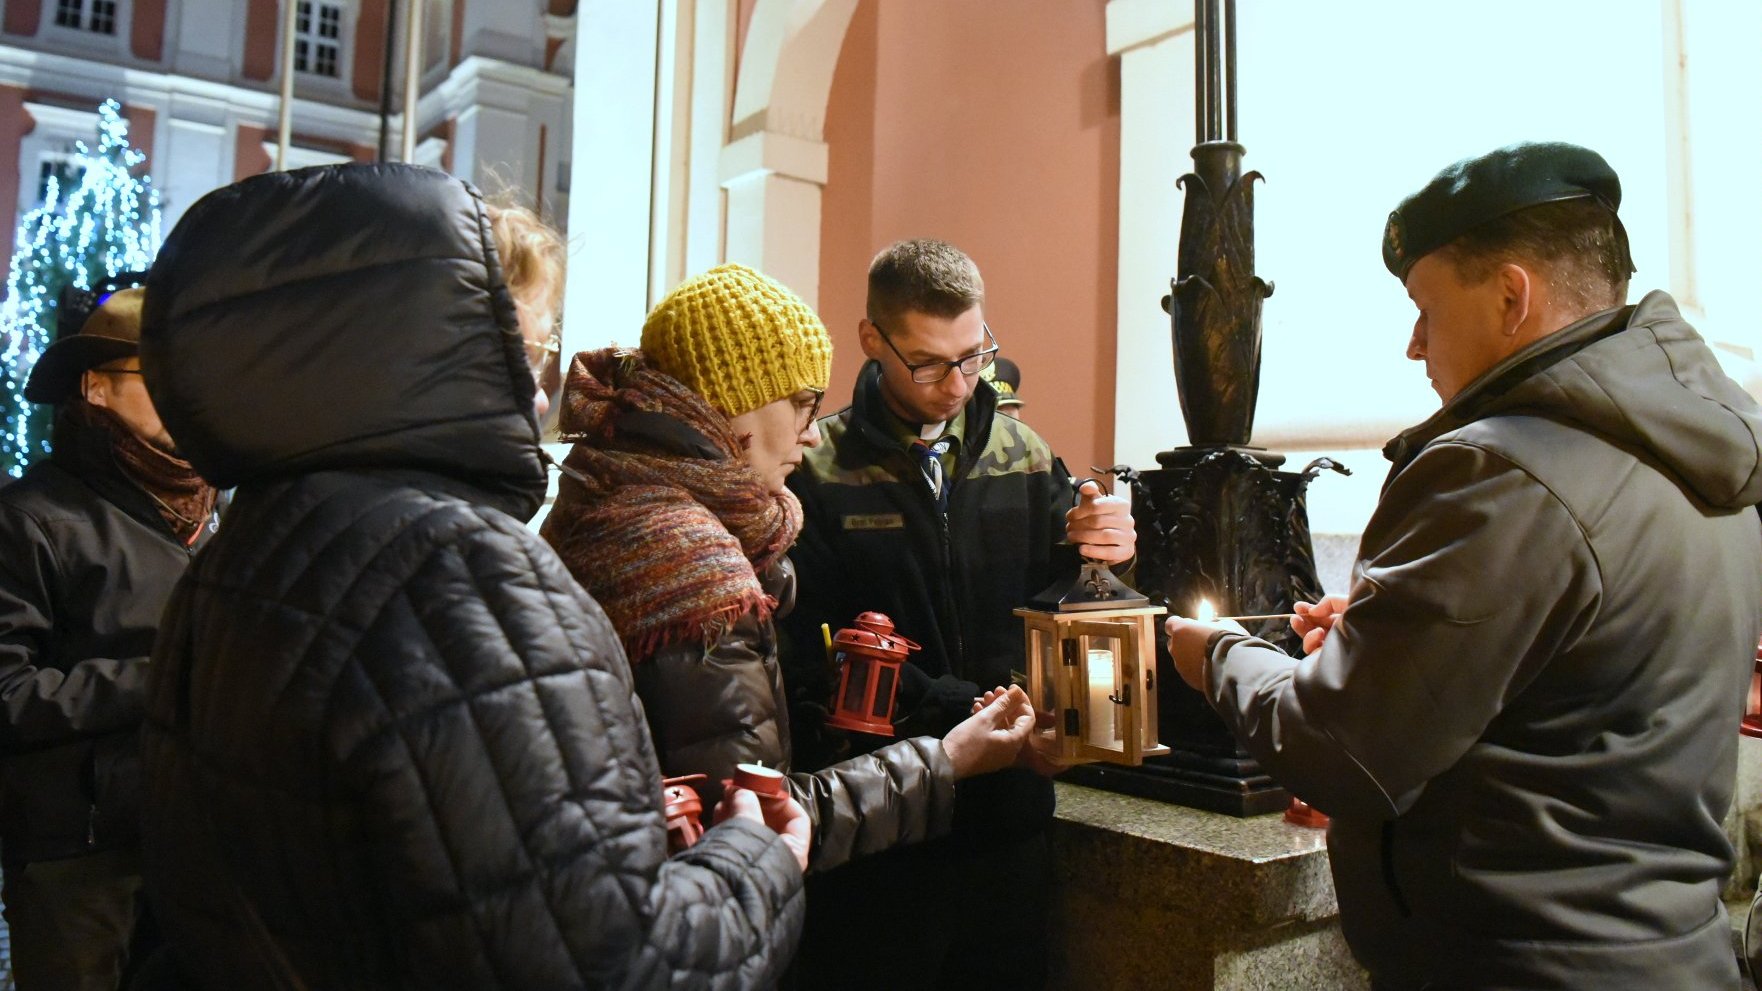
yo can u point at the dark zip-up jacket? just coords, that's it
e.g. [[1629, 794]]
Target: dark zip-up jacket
[[1525, 723], [873, 540], [86, 565], [390, 743]]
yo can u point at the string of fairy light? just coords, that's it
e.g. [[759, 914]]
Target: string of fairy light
[[108, 223]]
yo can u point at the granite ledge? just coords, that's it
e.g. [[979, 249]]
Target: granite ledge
[[1238, 873]]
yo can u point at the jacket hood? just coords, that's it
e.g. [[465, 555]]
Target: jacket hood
[[1638, 375], [342, 317]]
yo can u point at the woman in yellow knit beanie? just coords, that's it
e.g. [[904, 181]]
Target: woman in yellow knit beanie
[[673, 514]]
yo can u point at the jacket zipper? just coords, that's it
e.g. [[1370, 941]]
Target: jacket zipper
[[960, 646]]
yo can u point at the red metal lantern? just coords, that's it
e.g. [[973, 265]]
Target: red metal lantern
[[1752, 724], [683, 809], [868, 656]]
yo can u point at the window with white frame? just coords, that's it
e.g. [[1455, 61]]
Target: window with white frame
[[59, 166], [96, 16], [318, 38]]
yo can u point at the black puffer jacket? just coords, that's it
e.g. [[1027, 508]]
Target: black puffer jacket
[[86, 564], [390, 744]]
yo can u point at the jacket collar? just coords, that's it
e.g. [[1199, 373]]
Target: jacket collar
[[1480, 396]]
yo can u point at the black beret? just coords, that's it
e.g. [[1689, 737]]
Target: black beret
[[1477, 190]]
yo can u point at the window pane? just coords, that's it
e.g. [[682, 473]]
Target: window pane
[[67, 12], [300, 55]]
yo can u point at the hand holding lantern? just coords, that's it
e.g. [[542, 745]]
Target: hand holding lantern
[[868, 654], [1091, 659]]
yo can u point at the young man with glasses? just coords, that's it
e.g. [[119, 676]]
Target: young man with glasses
[[924, 504]]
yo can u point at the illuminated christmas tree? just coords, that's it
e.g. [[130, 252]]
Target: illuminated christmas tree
[[104, 221]]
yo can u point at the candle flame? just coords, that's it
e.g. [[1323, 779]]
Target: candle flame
[[1206, 613]]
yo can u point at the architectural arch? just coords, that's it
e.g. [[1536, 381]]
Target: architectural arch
[[774, 164]]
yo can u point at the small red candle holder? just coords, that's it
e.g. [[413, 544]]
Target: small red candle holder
[[1301, 813], [868, 656], [683, 809], [1752, 724], [765, 782]]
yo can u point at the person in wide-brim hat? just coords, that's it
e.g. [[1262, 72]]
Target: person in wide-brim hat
[[111, 333]]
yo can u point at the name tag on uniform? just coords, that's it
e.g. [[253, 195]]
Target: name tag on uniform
[[875, 521]]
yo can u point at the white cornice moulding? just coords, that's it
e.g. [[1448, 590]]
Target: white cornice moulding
[[1136, 23], [768, 152], [58, 118], [300, 157], [29, 69], [559, 26]]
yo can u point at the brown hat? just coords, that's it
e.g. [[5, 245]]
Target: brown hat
[[112, 331]]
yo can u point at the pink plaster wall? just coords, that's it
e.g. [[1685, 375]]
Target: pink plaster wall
[[994, 127]]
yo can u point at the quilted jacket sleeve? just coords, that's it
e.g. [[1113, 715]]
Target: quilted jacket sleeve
[[902, 793], [514, 800], [43, 704]]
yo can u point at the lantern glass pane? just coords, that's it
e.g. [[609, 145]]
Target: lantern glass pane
[[1104, 719], [883, 691], [856, 680]]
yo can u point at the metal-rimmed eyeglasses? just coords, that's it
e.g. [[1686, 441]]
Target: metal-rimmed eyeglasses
[[541, 355], [929, 372], [811, 406]]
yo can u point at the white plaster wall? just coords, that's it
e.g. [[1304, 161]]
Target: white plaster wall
[[612, 174], [200, 37], [515, 32], [1346, 109]]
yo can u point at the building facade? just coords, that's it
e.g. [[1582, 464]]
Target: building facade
[[200, 81]]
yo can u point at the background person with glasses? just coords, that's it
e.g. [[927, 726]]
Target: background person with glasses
[[922, 503], [674, 515]]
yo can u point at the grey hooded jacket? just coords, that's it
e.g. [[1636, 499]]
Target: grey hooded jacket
[[1525, 722]]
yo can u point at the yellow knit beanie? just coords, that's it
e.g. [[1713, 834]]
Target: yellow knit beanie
[[739, 339]]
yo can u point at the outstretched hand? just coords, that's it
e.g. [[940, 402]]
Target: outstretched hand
[[1029, 756], [992, 737]]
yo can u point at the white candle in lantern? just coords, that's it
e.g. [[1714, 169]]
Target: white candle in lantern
[[1099, 717], [1206, 613]]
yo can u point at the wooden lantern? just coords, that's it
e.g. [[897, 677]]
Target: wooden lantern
[[1091, 653], [868, 656]]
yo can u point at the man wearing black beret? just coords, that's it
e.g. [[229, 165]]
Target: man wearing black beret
[[1523, 717]]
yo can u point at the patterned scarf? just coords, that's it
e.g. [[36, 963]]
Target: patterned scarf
[[184, 500], [668, 541]]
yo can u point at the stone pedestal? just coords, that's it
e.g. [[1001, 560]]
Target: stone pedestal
[[1149, 895]]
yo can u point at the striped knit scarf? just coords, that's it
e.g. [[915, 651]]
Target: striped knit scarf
[[670, 543]]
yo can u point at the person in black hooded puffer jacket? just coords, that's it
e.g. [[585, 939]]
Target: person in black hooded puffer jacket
[[389, 742]]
